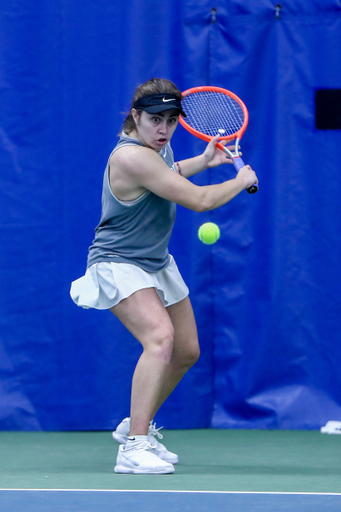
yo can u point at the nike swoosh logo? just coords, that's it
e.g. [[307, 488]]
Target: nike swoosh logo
[[165, 101]]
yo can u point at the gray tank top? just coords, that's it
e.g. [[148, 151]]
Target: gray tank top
[[135, 231]]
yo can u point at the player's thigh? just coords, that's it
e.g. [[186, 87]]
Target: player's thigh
[[144, 315], [186, 341]]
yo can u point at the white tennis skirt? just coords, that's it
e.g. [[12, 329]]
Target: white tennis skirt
[[105, 284]]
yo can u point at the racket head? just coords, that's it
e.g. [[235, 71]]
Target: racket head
[[211, 110]]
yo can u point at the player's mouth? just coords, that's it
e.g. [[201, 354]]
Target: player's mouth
[[161, 142]]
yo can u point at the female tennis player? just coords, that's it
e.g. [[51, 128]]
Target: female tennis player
[[130, 271]]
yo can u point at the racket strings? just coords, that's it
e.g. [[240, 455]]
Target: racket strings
[[211, 112]]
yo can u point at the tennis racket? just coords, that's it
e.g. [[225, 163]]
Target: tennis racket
[[212, 110]]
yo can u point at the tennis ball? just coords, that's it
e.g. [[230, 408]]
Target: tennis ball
[[209, 233]]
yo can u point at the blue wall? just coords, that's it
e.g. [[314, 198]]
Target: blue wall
[[266, 296]]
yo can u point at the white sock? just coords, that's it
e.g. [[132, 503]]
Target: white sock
[[137, 439]]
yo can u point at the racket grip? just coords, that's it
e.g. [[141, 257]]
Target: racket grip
[[238, 164]]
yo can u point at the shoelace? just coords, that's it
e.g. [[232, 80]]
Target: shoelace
[[155, 431]]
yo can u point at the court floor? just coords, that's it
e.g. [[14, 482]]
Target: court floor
[[167, 501], [230, 470]]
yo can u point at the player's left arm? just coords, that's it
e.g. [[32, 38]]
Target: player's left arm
[[211, 157]]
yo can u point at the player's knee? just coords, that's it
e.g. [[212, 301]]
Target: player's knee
[[192, 355], [188, 357], [162, 342], [195, 354]]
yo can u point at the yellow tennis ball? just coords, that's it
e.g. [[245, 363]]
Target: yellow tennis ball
[[209, 233]]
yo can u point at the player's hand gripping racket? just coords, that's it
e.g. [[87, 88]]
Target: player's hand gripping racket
[[212, 110]]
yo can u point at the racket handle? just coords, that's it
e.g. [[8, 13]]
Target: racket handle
[[238, 164]]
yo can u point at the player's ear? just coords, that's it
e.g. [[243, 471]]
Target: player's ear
[[134, 114]]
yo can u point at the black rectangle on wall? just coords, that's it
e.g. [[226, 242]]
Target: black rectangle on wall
[[328, 109]]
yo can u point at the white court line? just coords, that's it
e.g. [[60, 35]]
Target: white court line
[[183, 492]]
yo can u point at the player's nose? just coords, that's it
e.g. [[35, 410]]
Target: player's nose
[[163, 127]]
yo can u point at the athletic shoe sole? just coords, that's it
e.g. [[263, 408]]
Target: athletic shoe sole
[[136, 471]]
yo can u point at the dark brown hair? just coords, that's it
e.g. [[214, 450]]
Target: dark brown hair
[[152, 86]]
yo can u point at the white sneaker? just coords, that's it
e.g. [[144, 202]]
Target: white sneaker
[[138, 458], [122, 432]]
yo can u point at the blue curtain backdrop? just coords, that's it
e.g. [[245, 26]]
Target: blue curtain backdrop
[[266, 296]]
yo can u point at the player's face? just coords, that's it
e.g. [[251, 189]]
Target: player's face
[[155, 130]]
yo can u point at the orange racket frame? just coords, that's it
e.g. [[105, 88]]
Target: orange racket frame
[[237, 135]]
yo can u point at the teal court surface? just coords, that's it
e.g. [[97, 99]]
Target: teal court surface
[[220, 470]]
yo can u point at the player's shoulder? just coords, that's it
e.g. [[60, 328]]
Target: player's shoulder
[[132, 159], [133, 153], [129, 151]]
